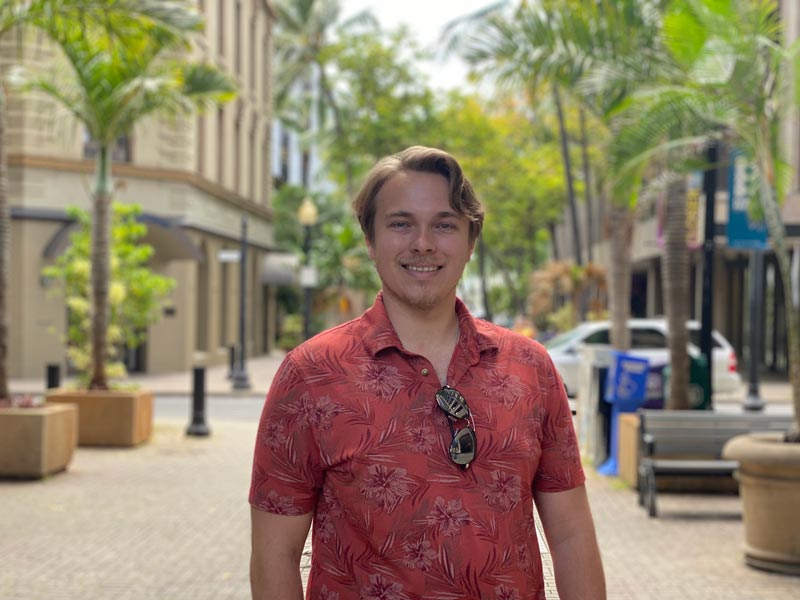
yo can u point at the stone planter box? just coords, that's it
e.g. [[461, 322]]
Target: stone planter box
[[110, 417], [35, 442]]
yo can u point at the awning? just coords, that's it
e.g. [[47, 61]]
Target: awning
[[280, 268], [168, 239]]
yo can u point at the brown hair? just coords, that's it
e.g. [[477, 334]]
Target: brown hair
[[426, 160]]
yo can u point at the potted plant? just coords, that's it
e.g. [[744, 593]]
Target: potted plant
[[120, 416]]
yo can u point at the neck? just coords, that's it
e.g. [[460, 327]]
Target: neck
[[424, 330]]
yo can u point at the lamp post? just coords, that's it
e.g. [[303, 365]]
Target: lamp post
[[307, 214], [241, 381]]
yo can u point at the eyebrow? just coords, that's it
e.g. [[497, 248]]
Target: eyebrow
[[444, 214]]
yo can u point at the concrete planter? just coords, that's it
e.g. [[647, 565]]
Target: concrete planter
[[110, 417], [769, 484], [35, 442]]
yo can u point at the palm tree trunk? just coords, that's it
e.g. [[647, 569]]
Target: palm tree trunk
[[676, 284], [619, 296], [777, 233], [5, 245], [587, 185], [338, 128], [573, 209], [101, 230]]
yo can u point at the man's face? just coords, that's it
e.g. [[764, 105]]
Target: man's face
[[420, 245]]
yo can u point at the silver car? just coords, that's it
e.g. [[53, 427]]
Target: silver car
[[648, 340]]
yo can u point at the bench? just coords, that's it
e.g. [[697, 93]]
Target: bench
[[689, 443]]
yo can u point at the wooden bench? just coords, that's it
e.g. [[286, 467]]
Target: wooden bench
[[689, 443]]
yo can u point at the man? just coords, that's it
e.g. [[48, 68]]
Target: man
[[416, 437]]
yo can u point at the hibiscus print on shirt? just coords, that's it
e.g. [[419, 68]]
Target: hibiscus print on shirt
[[421, 439], [385, 487], [383, 380], [419, 555], [380, 588], [507, 389], [448, 517], [309, 412], [503, 492]]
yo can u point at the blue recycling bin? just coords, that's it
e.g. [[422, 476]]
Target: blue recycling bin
[[626, 391]]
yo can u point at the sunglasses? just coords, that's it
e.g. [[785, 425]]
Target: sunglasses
[[453, 404]]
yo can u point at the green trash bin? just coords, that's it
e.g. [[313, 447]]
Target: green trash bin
[[699, 390]]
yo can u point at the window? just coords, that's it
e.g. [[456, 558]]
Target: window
[[598, 337], [221, 27], [201, 144], [120, 151], [221, 145], [647, 338], [237, 37]]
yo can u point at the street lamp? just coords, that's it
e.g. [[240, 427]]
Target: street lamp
[[240, 379], [307, 214]]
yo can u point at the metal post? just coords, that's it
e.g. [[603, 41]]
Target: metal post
[[241, 381], [307, 289], [706, 324], [753, 399], [231, 360], [53, 376], [198, 426]]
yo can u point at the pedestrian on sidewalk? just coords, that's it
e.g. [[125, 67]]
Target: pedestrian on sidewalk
[[416, 437]]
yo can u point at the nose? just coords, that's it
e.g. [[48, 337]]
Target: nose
[[423, 241]]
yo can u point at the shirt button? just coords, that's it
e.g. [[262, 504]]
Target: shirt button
[[425, 372]]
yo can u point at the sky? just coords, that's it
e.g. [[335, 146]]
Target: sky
[[426, 18]]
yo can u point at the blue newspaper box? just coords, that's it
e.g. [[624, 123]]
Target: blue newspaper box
[[626, 391]]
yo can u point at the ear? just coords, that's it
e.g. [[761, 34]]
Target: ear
[[370, 249]]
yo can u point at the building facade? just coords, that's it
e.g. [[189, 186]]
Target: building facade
[[732, 268], [198, 178]]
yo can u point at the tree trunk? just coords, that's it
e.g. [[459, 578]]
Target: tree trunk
[[101, 231], [573, 208], [5, 246], [587, 186], [676, 285], [619, 296], [777, 234]]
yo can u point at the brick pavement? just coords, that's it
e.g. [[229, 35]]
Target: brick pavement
[[169, 520]]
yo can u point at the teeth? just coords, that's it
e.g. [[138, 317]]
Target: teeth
[[421, 269]]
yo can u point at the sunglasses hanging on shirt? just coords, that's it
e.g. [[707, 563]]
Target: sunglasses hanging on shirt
[[464, 442]]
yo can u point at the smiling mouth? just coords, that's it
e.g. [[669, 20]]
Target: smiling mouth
[[421, 268]]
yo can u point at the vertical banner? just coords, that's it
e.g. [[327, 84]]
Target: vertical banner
[[743, 230], [695, 212]]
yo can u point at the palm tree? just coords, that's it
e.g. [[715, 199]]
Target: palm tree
[[739, 81], [111, 85], [304, 39], [501, 44], [567, 41], [116, 17]]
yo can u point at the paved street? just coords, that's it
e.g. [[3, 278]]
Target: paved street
[[170, 520]]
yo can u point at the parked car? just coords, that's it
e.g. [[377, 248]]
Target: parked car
[[648, 340]]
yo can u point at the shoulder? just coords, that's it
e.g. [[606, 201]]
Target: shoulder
[[507, 340], [340, 343]]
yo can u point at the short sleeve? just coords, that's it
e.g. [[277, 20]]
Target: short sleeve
[[560, 466], [287, 473]]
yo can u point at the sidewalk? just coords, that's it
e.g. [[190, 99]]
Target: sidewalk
[[170, 521], [260, 371]]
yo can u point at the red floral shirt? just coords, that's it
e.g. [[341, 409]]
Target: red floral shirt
[[351, 431]]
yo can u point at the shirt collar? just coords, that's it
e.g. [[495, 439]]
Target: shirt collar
[[379, 334]]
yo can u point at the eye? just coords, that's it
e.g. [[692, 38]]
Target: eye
[[447, 226], [399, 224]]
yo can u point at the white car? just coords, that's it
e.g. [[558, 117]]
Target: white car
[[648, 340]]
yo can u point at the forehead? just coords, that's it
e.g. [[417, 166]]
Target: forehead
[[414, 190]]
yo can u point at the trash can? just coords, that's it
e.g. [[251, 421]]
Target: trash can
[[699, 390], [625, 391]]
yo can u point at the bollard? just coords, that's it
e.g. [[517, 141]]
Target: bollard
[[198, 426], [53, 376], [231, 360]]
